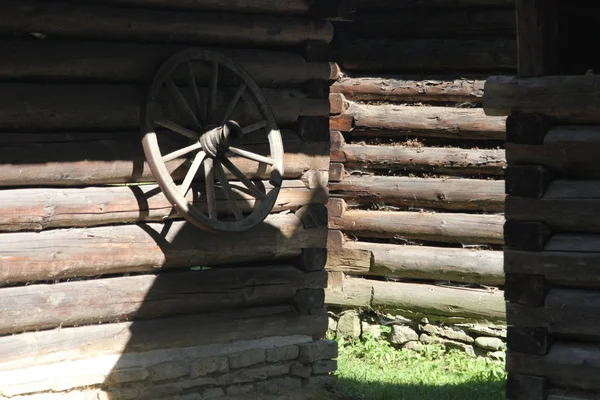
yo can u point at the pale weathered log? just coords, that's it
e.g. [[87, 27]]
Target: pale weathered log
[[429, 300], [115, 158], [426, 55], [30, 60], [419, 262], [446, 122], [449, 228], [446, 194], [453, 161], [68, 344], [37, 307], [566, 206], [97, 22], [441, 23], [415, 89], [562, 99], [38, 209], [573, 365], [259, 7], [66, 253], [35, 107]]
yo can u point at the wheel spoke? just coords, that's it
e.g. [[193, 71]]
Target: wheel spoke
[[178, 153], [234, 100], [254, 190], [254, 127], [172, 126], [189, 177], [212, 95], [228, 192], [211, 198], [181, 101], [252, 156], [191, 78]]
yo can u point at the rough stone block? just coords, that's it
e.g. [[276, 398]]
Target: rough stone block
[[277, 369], [455, 334], [349, 324], [282, 353], [209, 365], [324, 367], [332, 324], [301, 370], [247, 358], [431, 329], [239, 389], [317, 350], [490, 343], [245, 375], [168, 370], [278, 385], [402, 334], [485, 330], [127, 375], [373, 330], [413, 345], [467, 348], [174, 388], [212, 393]]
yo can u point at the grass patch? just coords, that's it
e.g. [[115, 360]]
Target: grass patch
[[373, 369]]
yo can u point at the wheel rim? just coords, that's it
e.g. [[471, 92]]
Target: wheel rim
[[199, 131]]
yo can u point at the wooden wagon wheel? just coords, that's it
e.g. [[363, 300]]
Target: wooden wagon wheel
[[200, 133]]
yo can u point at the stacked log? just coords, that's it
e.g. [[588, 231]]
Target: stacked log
[[416, 178]]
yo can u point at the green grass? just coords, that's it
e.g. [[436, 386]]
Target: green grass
[[374, 370]]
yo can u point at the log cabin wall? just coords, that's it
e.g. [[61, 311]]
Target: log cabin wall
[[105, 292], [551, 233], [417, 175]]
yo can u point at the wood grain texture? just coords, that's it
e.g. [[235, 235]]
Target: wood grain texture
[[444, 194], [67, 253]]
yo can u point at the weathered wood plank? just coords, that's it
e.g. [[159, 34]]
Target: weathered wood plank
[[39, 209], [526, 387], [66, 253], [387, 5], [415, 89], [419, 298], [35, 107], [426, 55], [445, 122], [68, 344], [100, 22], [94, 61], [38, 307], [445, 194], [449, 228], [572, 365], [419, 262], [562, 99], [453, 161]]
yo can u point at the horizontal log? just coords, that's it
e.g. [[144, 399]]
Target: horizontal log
[[572, 365], [38, 307], [67, 253], [565, 207], [72, 61], [563, 99], [565, 394], [39, 209], [260, 7], [69, 344], [427, 300], [567, 260], [97, 22], [448, 228], [34, 107], [573, 159], [440, 55], [419, 262], [445, 194], [417, 89], [115, 158], [445, 122], [441, 23], [387, 5], [452, 161]]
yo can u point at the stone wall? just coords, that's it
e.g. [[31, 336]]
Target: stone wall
[[476, 339]]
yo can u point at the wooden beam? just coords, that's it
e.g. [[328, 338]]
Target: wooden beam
[[146, 247], [525, 289], [534, 340], [526, 235], [337, 103], [38, 307], [451, 161], [432, 193], [562, 99], [337, 172], [388, 5], [417, 89], [527, 180], [101, 22], [428, 300], [526, 387], [526, 129], [448, 228], [426, 55], [418, 262], [110, 62], [445, 122]]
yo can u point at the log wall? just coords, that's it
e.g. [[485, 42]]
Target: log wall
[[107, 292], [417, 191]]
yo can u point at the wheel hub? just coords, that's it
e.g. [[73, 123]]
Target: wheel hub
[[216, 141]]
